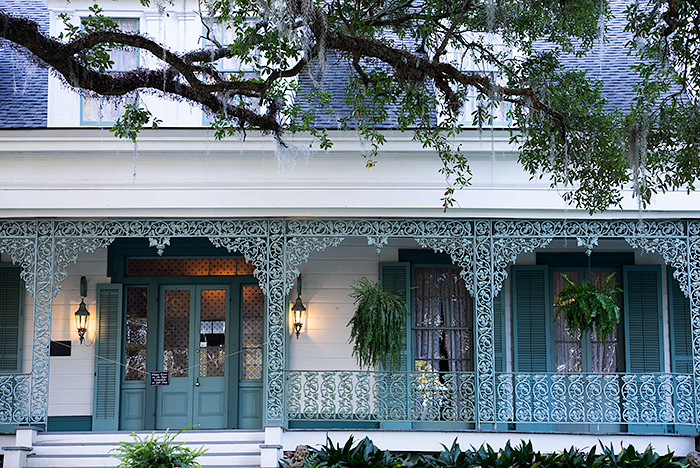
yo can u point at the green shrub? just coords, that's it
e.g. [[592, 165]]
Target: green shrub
[[366, 455], [151, 452]]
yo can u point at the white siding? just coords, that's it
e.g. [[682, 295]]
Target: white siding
[[71, 377], [326, 280]]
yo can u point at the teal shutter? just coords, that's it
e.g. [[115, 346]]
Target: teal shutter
[[11, 294], [679, 315], [105, 416], [498, 333], [397, 277], [642, 316], [531, 325]]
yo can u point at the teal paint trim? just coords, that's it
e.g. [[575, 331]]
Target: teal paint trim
[[108, 356], [581, 260], [69, 424], [499, 332], [520, 273], [630, 314], [121, 249], [680, 326], [11, 271], [358, 425], [424, 257]]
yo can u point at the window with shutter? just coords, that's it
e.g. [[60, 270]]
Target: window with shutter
[[531, 329], [105, 415], [643, 319], [11, 294], [679, 318]]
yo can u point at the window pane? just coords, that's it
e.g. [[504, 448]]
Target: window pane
[[212, 333], [176, 333], [442, 327], [136, 332], [252, 333]]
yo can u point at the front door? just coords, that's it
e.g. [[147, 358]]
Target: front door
[[193, 348]]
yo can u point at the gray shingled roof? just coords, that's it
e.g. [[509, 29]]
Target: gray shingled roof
[[23, 85], [334, 78], [610, 63]]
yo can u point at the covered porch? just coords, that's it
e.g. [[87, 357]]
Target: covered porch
[[494, 394]]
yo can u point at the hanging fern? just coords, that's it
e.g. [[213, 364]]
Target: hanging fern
[[587, 307], [378, 326]]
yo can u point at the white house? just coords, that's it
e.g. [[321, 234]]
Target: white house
[[193, 250]]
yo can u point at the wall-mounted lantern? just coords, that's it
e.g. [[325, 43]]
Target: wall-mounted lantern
[[298, 311], [82, 316]]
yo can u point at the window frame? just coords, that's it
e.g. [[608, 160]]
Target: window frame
[[100, 100]]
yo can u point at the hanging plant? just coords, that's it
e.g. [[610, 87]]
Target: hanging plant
[[378, 326], [588, 307]]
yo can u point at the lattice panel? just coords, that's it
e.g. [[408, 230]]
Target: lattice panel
[[243, 267], [169, 267], [195, 267], [176, 333], [212, 361], [140, 267], [214, 304], [222, 266], [136, 332], [137, 302], [135, 364], [188, 267], [252, 332]]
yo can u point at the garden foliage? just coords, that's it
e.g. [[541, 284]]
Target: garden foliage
[[365, 454], [153, 452]]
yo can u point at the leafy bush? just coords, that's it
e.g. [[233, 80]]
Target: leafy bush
[[150, 452], [366, 455]]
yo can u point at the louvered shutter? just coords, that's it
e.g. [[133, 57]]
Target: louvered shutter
[[530, 318], [11, 294], [498, 332], [681, 341], [107, 357], [643, 325], [397, 277]]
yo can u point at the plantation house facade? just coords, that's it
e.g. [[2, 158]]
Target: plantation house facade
[[193, 251]]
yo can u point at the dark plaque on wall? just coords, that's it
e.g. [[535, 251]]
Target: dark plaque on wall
[[60, 348], [159, 378]]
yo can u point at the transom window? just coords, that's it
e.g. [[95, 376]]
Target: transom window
[[188, 267]]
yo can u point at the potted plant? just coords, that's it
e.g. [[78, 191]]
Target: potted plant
[[152, 452], [587, 307], [378, 326]]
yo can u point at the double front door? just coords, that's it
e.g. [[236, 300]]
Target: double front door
[[195, 352]]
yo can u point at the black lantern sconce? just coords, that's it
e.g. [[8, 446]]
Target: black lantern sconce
[[82, 316], [298, 311]]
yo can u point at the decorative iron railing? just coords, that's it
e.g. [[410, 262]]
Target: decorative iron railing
[[14, 398], [520, 398], [596, 398], [380, 396]]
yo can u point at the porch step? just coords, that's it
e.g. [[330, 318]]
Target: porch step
[[231, 448]]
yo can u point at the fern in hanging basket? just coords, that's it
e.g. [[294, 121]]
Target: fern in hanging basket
[[588, 307], [378, 326]]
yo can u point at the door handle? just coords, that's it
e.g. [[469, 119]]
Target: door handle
[[196, 382]]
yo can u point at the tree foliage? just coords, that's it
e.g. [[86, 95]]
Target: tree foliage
[[407, 56]]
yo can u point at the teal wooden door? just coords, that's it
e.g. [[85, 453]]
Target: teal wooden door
[[193, 350]]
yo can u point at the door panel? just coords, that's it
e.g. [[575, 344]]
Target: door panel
[[194, 350], [174, 407], [210, 384]]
